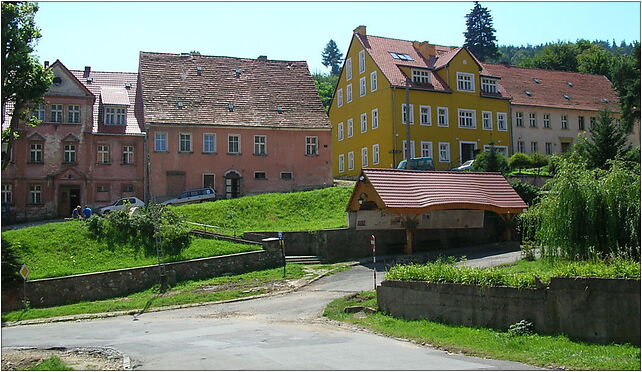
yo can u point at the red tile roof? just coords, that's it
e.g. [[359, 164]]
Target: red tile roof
[[107, 82], [586, 92], [174, 92], [420, 191]]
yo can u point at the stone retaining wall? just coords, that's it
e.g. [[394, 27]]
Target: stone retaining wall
[[590, 309], [115, 283]]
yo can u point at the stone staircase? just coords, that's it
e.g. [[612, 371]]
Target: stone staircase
[[306, 260]]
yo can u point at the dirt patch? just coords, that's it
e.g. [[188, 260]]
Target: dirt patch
[[83, 359]]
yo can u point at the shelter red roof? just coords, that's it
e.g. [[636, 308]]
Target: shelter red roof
[[407, 191]]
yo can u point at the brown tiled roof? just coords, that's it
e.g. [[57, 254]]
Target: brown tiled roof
[[432, 190], [103, 82], [586, 92], [174, 92], [114, 96]]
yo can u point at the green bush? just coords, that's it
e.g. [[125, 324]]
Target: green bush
[[10, 264], [519, 160], [142, 229], [490, 161], [538, 160], [526, 191]]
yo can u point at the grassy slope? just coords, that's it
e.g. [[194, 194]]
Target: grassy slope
[[543, 351], [59, 249], [310, 210]]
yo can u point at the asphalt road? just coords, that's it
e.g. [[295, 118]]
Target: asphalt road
[[284, 332]]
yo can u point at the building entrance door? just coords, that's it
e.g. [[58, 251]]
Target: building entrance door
[[232, 185], [68, 200], [467, 151]]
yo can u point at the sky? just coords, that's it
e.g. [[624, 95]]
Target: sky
[[109, 35]]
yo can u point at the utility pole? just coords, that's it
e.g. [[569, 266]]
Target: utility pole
[[408, 112]]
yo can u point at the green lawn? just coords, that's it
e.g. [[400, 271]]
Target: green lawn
[[309, 210], [521, 274], [544, 351], [186, 292], [66, 248]]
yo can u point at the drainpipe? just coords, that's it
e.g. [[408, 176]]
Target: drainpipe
[[394, 128], [146, 171], [409, 116]]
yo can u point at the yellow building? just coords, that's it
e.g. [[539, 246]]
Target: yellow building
[[456, 106]]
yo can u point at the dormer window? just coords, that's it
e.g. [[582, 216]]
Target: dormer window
[[115, 116], [420, 76], [465, 82], [489, 85]]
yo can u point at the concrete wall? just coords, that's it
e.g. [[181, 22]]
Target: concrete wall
[[582, 308], [114, 283], [336, 244]]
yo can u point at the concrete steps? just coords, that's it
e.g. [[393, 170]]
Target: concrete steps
[[307, 260]]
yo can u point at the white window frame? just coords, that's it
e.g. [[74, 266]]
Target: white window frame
[[350, 127], [207, 150], [341, 163], [375, 154], [128, 154], [564, 121], [465, 82], [412, 149], [442, 112], [160, 142], [521, 147], [532, 120], [35, 194], [403, 114], [487, 120], [7, 193], [534, 146], [462, 114], [73, 114], [351, 160], [549, 148], [260, 145], [103, 154], [185, 139], [349, 93], [444, 152], [69, 153], [39, 112], [35, 152], [426, 149], [233, 140], [348, 69], [311, 145], [502, 126], [340, 133], [421, 76], [519, 119], [489, 85], [425, 118], [339, 97], [364, 122], [115, 115], [373, 81], [56, 113], [546, 120], [364, 157], [375, 118], [362, 86], [362, 61]]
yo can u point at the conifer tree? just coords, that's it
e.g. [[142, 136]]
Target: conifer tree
[[332, 57], [480, 33], [607, 141]]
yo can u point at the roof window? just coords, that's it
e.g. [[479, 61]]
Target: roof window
[[279, 109], [401, 56], [528, 93], [199, 70], [230, 107], [566, 96], [538, 81], [605, 100], [128, 85], [180, 105], [237, 72], [569, 83], [90, 79]]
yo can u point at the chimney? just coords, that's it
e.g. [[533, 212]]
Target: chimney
[[87, 71], [46, 64], [424, 48], [262, 58], [361, 30]]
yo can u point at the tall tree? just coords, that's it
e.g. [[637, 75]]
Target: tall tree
[[625, 76], [332, 57], [325, 85], [480, 34], [607, 141], [24, 80]]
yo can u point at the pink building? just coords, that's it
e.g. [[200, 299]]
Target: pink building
[[88, 149], [242, 126]]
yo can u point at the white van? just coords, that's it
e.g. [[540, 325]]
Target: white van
[[191, 196]]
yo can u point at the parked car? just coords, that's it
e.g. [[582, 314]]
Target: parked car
[[425, 163], [467, 166], [191, 196], [122, 203]]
